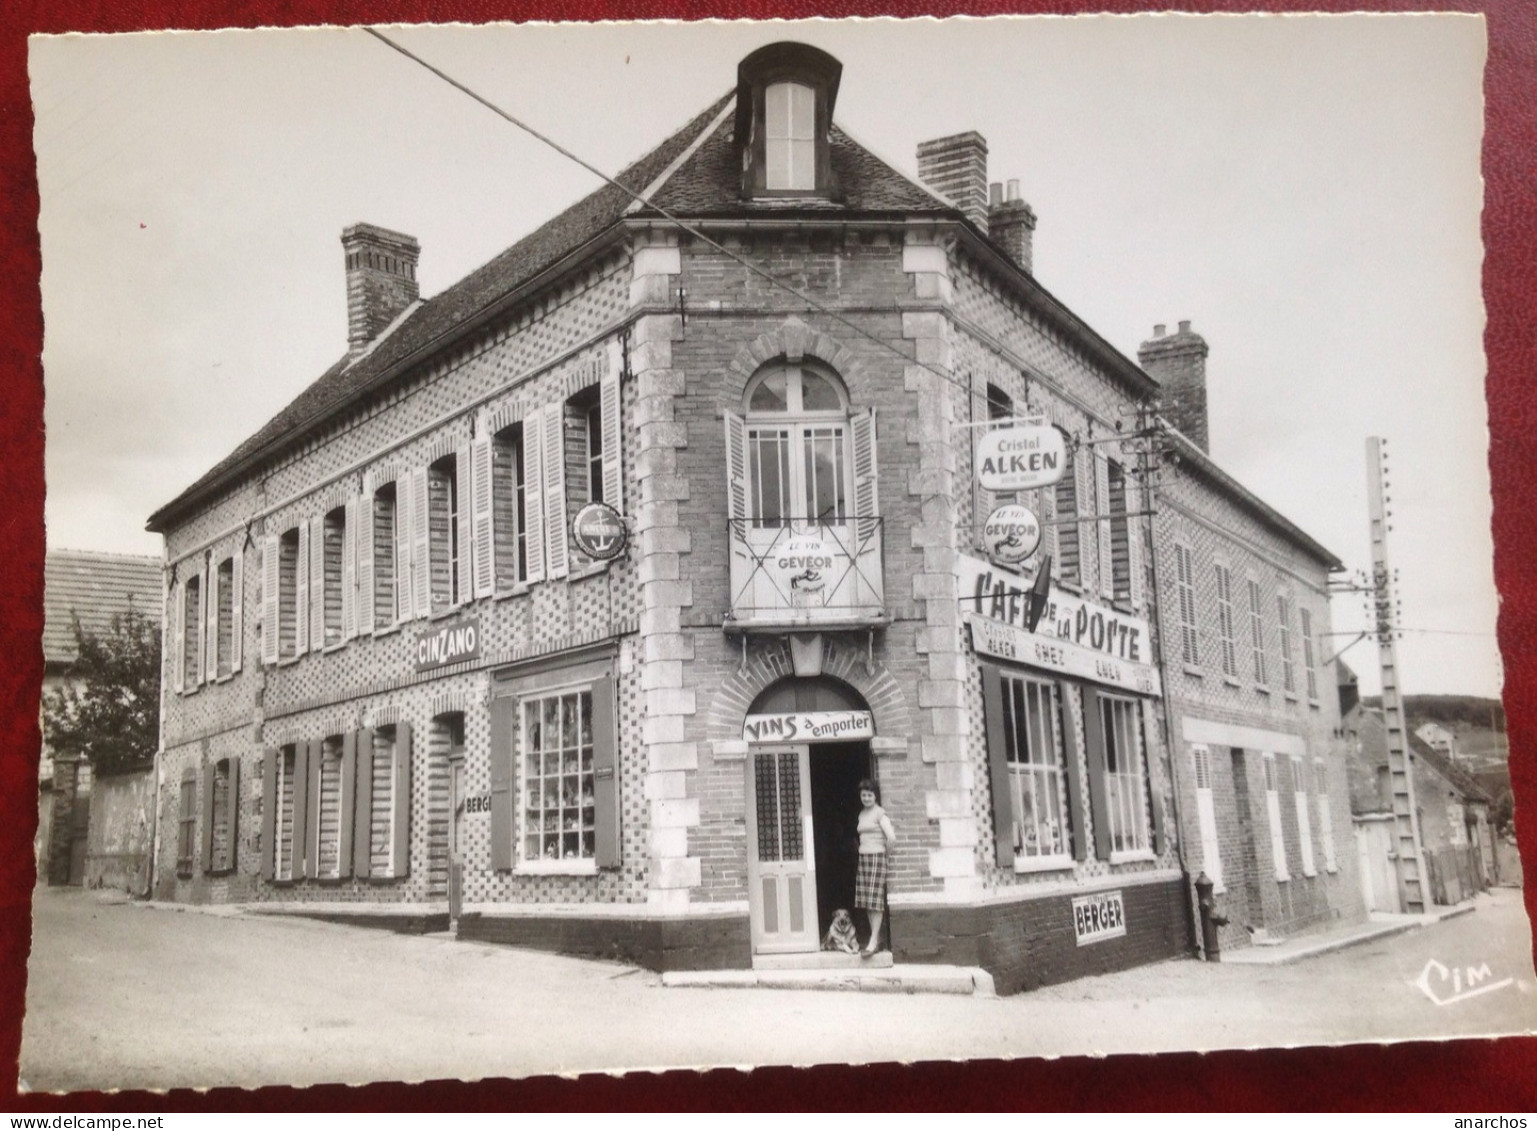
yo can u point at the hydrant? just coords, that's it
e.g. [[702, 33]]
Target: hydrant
[[1210, 918]]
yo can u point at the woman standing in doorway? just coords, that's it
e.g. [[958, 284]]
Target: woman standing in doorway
[[876, 836]]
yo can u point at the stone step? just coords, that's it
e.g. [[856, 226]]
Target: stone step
[[821, 960], [905, 978]]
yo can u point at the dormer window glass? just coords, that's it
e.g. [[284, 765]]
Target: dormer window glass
[[790, 136]]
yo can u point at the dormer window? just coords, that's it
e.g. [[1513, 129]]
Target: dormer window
[[785, 95]]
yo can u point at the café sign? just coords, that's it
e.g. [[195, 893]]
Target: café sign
[[1004, 642], [1011, 534], [809, 726], [451, 644], [1029, 455], [1099, 917]]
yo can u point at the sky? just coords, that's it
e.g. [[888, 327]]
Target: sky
[[1304, 189]]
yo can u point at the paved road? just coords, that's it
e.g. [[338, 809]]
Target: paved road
[[130, 996]]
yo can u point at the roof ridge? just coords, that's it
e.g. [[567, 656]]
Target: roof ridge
[[62, 552]]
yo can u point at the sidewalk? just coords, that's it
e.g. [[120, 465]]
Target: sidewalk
[[1379, 925]]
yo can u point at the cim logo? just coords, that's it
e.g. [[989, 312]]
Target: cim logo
[[450, 644], [1445, 985]]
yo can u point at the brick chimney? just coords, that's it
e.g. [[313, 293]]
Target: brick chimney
[[381, 281], [956, 168], [1011, 223], [1178, 363]]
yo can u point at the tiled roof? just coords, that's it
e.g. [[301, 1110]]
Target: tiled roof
[[95, 587], [1464, 782]]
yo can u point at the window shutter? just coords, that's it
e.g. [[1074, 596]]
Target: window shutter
[[1155, 793], [465, 486], [270, 758], [350, 569], [533, 495], [866, 503], [363, 801], [1083, 492], [400, 845], [1046, 499], [363, 552], [736, 469], [998, 765], [302, 591], [554, 422], [237, 610], [207, 817], [483, 542], [270, 579], [1072, 749], [605, 774], [1134, 528], [613, 436], [178, 637], [317, 614], [1102, 526], [503, 730], [421, 544], [232, 815], [1099, 798], [312, 810], [298, 816], [211, 631], [347, 805], [200, 657]]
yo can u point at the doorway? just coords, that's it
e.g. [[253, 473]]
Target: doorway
[[836, 770]]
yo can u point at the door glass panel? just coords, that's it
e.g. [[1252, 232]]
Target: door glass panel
[[791, 847], [770, 455], [767, 788], [825, 493]]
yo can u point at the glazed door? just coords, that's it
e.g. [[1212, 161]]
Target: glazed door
[[781, 867]]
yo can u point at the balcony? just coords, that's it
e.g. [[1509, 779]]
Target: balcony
[[805, 575]]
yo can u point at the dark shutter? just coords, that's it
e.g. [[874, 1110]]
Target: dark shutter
[[1071, 749], [270, 758], [998, 765], [605, 774], [1099, 798], [1154, 795], [503, 728], [207, 807], [346, 803], [363, 816], [312, 809], [298, 816], [400, 850], [232, 816]]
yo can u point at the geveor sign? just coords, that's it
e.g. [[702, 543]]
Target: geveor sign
[[1021, 458]]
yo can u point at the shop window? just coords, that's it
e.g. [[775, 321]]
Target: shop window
[[1206, 815], [221, 794], [1225, 631], [382, 824], [1273, 811], [1325, 816], [1184, 583], [333, 538], [1304, 818], [193, 618], [1256, 632], [186, 825], [1031, 740], [1288, 668], [509, 502], [1309, 666], [567, 795], [443, 503], [1125, 777]]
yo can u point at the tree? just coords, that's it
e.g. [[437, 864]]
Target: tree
[[108, 712]]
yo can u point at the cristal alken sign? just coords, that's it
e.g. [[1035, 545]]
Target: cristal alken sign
[[1029, 455]]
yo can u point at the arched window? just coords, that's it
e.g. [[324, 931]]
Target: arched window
[[797, 447]]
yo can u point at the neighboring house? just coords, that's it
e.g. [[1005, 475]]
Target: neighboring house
[[406, 672], [1254, 707], [1452, 808], [1438, 738], [93, 587]]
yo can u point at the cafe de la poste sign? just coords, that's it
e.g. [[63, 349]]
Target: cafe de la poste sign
[[1029, 455]]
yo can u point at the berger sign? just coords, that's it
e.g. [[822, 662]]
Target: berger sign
[[1099, 917], [809, 726], [1021, 458], [1011, 534], [451, 644]]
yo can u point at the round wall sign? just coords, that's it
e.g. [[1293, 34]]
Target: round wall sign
[[1011, 534], [598, 531], [1021, 458]]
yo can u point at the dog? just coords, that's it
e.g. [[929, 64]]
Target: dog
[[841, 935]]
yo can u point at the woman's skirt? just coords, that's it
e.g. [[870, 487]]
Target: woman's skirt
[[870, 882]]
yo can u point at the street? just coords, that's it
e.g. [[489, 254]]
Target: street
[[124, 995]]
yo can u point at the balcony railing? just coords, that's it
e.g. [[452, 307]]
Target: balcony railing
[[787, 573]]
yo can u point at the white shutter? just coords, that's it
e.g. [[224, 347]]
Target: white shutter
[[1083, 493], [178, 637], [613, 437], [237, 609], [421, 544], [404, 587], [270, 575], [302, 591], [736, 469], [464, 503], [201, 631], [533, 494], [350, 570], [317, 582], [211, 639], [866, 503], [555, 489], [483, 525], [1046, 500], [1102, 526], [363, 543], [1134, 529]]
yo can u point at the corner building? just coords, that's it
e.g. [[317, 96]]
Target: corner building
[[405, 684]]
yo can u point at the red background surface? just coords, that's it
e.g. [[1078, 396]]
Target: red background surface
[[1467, 1076]]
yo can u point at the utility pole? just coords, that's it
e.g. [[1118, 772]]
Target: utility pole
[[1412, 879]]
